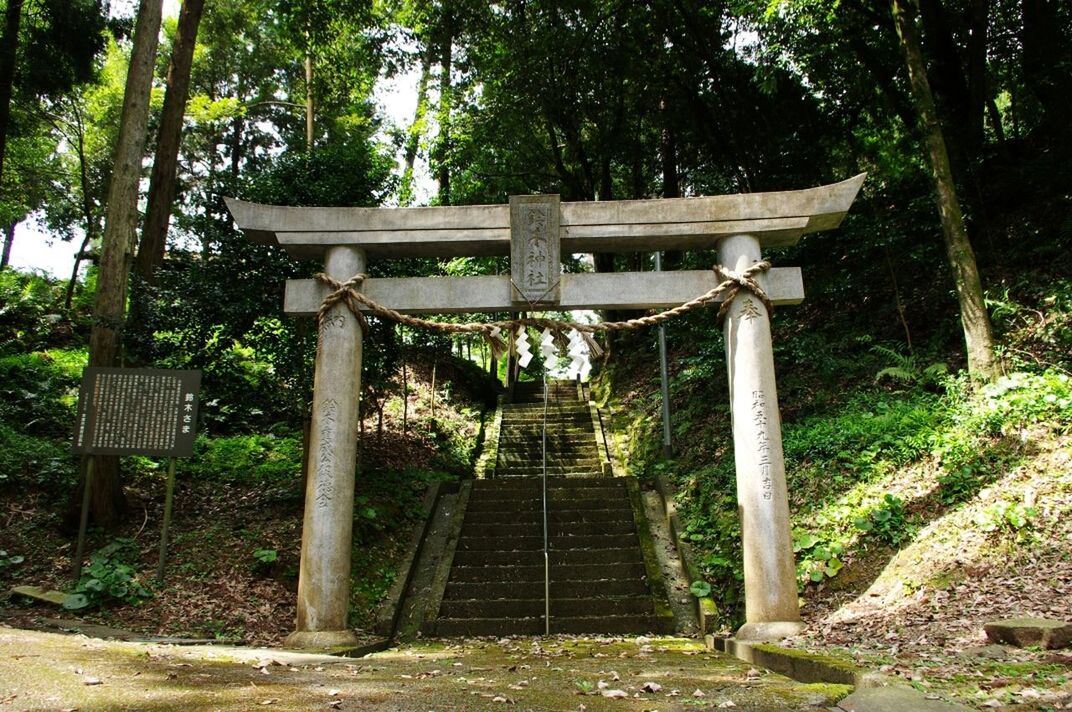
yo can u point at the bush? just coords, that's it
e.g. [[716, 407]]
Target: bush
[[268, 459], [109, 578]]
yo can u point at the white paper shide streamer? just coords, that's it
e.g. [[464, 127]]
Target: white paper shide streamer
[[547, 346], [580, 365], [522, 348]]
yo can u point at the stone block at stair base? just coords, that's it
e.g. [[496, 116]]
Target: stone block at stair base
[[895, 699], [768, 631], [1030, 632], [321, 639]]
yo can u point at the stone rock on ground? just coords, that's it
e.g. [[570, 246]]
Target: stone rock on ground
[[1027, 632], [895, 699]]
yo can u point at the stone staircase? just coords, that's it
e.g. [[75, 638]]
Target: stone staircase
[[572, 448], [602, 579]]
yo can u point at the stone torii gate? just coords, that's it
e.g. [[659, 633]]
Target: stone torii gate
[[534, 231]]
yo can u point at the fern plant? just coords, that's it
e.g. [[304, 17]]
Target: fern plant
[[907, 369]]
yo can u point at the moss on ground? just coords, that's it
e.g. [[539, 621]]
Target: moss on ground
[[44, 670]]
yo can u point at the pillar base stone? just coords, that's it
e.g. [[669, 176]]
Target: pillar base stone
[[321, 639], [769, 631]]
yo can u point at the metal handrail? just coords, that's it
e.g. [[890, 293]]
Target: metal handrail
[[546, 550], [606, 448]]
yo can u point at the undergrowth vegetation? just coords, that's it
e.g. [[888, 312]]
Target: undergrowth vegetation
[[883, 450], [236, 537]]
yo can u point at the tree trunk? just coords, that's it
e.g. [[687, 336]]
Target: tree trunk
[[9, 45], [162, 182], [413, 139], [119, 234], [446, 61], [973, 315], [91, 225], [9, 240], [309, 114]]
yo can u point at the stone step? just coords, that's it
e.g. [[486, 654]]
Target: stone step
[[536, 458], [536, 505], [558, 542], [534, 451], [622, 571], [559, 406], [557, 490], [536, 484], [557, 497], [535, 517], [561, 528], [619, 624], [490, 590], [534, 607], [553, 438], [552, 470], [628, 555]]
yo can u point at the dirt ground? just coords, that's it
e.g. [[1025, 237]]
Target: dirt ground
[[48, 671]]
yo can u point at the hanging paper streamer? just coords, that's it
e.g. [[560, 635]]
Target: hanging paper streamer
[[522, 348], [496, 342], [579, 366], [547, 345]]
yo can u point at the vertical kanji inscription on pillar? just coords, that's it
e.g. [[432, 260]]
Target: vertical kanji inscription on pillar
[[535, 257]]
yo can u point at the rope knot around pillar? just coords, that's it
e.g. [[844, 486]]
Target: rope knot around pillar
[[734, 282], [344, 293]]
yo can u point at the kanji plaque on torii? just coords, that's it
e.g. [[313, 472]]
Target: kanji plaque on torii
[[534, 231]]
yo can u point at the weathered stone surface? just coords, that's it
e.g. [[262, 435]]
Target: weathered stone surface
[[489, 293], [895, 699], [771, 608], [1030, 632], [324, 576], [778, 218], [39, 594]]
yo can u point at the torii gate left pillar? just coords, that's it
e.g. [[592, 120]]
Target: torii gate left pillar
[[736, 225]]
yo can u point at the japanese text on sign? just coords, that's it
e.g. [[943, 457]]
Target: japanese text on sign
[[126, 411]]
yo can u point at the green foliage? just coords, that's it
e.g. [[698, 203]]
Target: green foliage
[[887, 521], [109, 578], [266, 556], [700, 589], [29, 462], [267, 459], [908, 370], [816, 560], [9, 560], [29, 312], [1008, 517]]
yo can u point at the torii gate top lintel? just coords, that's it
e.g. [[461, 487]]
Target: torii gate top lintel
[[776, 219]]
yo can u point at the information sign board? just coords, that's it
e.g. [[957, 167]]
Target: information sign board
[[137, 411]]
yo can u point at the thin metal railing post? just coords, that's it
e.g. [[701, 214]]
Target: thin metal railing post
[[664, 379], [546, 553]]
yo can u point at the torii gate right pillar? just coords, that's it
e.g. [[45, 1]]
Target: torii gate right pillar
[[771, 608]]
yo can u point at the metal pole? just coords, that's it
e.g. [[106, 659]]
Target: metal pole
[[546, 554], [167, 520], [668, 450], [80, 549]]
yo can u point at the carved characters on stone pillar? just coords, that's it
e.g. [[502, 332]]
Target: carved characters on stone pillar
[[325, 455], [749, 310], [763, 446], [534, 248]]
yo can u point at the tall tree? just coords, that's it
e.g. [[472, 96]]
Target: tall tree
[[120, 228], [9, 44], [162, 181], [978, 337]]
